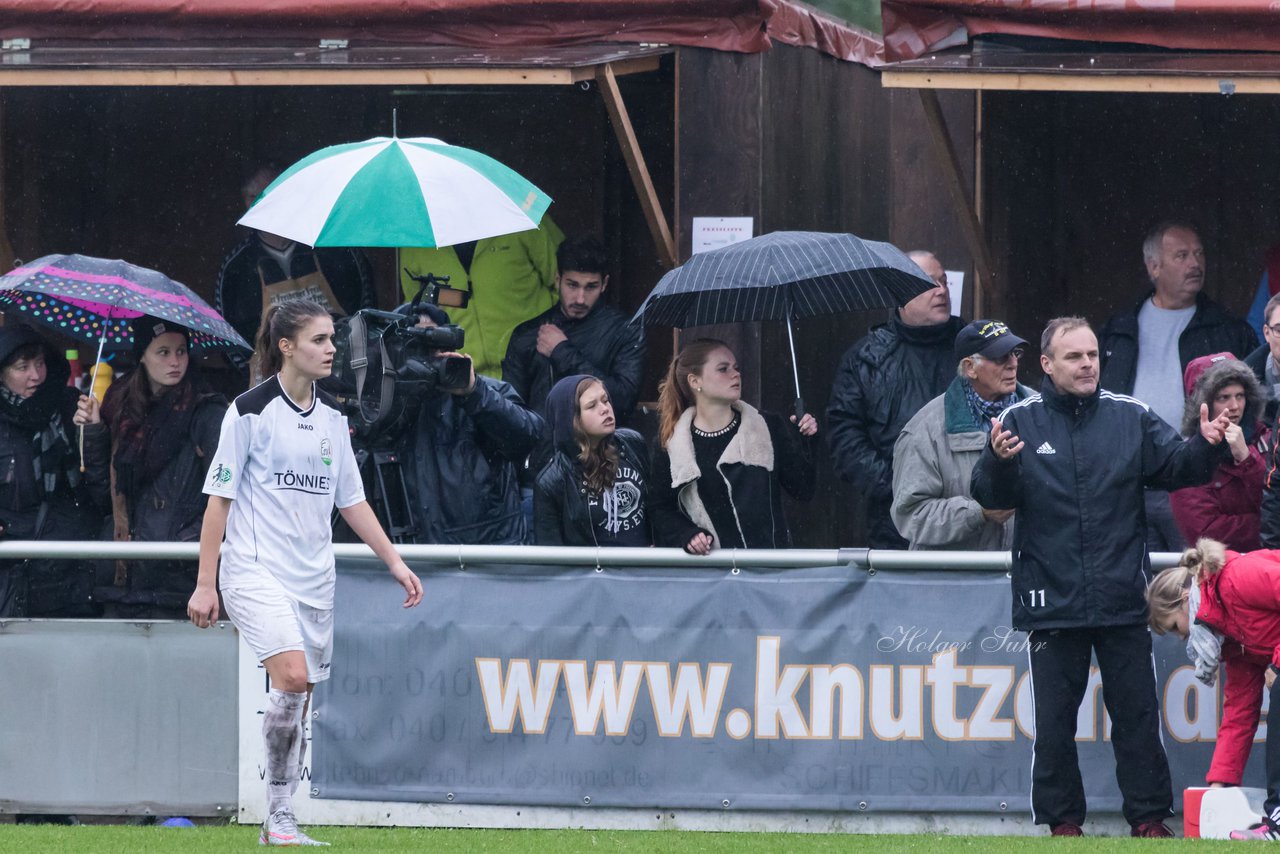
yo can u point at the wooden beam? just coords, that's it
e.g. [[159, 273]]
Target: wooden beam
[[333, 76], [636, 166], [970, 226], [1068, 82]]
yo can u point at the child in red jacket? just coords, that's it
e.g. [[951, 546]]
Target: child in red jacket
[[1227, 605]]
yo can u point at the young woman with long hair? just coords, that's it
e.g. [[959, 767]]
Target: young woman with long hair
[[284, 460], [1227, 604], [723, 466], [592, 490], [161, 424]]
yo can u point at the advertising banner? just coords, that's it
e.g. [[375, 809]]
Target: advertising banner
[[823, 688]]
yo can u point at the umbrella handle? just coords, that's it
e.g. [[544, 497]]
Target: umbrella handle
[[800, 412], [81, 449]]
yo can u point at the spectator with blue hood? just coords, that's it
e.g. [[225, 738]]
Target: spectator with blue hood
[[460, 449], [592, 490], [41, 494]]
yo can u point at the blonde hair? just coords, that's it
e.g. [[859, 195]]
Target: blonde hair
[[1167, 592], [674, 393]]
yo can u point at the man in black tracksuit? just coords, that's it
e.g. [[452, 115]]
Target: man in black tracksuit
[[1073, 461]]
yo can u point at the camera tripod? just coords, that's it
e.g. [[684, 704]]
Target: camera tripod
[[384, 485]]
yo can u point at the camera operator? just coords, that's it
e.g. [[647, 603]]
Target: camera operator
[[460, 449]]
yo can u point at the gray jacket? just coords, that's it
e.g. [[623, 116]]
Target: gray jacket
[[932, 460]]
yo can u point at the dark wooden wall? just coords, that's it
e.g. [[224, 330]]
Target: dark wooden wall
[[801, 141], [153, 174], [1074, 181]]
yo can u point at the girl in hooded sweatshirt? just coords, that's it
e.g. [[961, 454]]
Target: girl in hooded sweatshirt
[[592, 490], [719, 478], [1227, 605], [1228, 507]]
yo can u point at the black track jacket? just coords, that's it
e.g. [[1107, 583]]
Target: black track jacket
[[1079, 540]]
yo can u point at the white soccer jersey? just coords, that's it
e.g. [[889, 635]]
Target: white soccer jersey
[[284, 467]]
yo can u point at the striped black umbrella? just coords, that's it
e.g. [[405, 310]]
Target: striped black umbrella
[[782, 276]]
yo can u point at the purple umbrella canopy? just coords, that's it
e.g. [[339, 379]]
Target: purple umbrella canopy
[[95, 299]]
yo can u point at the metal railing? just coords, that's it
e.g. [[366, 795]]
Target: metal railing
[[871, 560]]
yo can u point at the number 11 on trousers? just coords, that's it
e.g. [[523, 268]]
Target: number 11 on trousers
[[1034, 594]]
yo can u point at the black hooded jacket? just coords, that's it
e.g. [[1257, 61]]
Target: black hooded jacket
[[561, 505]]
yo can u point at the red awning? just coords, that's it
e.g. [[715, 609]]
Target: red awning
[[731, 25], [916, 27]]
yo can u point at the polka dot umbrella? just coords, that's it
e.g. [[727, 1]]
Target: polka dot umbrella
[[95, 299]]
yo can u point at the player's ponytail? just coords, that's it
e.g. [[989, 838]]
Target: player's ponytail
[[283, 320]]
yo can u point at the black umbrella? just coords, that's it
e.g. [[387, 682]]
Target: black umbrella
[[782, 276]]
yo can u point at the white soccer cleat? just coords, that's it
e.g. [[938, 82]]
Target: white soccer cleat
[[281, 828]]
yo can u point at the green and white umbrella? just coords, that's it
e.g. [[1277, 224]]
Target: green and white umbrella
[[396, 192]]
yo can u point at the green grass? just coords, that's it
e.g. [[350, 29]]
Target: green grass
[[212, 840]]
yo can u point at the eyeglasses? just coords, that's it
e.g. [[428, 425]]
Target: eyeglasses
[[1275, 329], [1016, 353]]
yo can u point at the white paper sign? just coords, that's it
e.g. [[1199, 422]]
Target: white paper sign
[[955, 284], [712, 232]]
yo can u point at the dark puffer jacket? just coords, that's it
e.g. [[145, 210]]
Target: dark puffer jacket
[[460, 455], [1212, 330], [883, 381], [51, 505]]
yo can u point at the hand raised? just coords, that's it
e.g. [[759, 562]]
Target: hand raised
[[1003, 442], [1213, 431]]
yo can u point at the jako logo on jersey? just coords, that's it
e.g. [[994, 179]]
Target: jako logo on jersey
[[306, 427], [1046, 448], [221, 474], [326, 452]]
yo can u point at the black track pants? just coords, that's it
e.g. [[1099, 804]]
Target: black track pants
[[1060, 662]]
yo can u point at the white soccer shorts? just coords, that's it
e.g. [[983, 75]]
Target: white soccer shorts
[[272, 622]]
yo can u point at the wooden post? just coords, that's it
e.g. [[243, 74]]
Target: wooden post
[[954, 177], [636, 166]]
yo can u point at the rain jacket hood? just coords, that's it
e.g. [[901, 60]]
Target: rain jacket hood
[[1208, 375], [561, 409]]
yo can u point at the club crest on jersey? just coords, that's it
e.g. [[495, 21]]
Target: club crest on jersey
[[220, 475], [326, 452]]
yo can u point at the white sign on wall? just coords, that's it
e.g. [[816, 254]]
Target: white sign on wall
[[713, 232]]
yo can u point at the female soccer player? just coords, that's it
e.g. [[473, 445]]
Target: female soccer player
[[284, 460]]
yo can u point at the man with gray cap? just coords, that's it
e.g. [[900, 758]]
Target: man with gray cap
[[936, 451]]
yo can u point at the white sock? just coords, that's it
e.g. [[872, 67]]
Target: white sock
[[281, 732]]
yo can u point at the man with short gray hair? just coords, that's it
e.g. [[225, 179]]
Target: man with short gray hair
[[1146, 349]]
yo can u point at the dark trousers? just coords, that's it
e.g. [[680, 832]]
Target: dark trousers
[[1060, 662], [1271, 807]]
